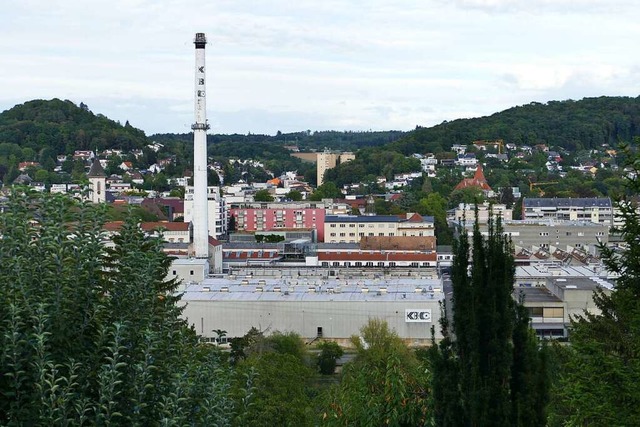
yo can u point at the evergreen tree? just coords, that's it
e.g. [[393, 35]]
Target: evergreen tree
[[600, 377], [486, 370]]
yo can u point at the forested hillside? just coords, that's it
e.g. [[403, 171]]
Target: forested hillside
[[572, 125], [569, 126], [63, 127]]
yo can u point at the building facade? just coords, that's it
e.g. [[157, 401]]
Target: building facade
[[352, 228], [598, 210], [327, 160], [218, 216], [255, 217]]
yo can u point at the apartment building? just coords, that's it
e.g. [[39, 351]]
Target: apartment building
[[592, 209], [352, 228]]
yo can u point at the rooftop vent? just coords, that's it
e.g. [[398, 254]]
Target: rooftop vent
[[259, 288], [206, 289], [224, 289]]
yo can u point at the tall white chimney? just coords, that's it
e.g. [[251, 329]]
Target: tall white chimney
[[200, 203]]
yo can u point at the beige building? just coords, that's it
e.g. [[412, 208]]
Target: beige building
[[467, 212], [327, 160], [352, 228]]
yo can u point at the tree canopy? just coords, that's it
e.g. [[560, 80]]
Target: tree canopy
[[90, 334]]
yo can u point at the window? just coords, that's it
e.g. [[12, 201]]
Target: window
[[544, 233], [535, 311], [553, 312], [352, 234], [332, 225], [352, 225], [174, 273], [191, 272], [361, 234], [342, 234], [343, 225], [333, 234]]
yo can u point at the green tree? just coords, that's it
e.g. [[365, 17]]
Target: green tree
[[294, 195], [280, 376], [436, 206], [91, 335], [385, 384], [486, 369], [263, 196], [328, 190], [599, 381], [330, 352]]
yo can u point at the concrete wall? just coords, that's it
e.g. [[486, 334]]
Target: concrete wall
[[338, 319]]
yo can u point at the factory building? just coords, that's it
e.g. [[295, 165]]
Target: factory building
[[315, 307]]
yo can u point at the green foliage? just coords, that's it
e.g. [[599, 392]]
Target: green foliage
[[63, 127], [599, 379], [276, 367], [263, 196], [269, 238], [572, 125], [372, 162], [91, 335], [294, 195], [330, 352], [384, 385], [328, 190], [487, 369]]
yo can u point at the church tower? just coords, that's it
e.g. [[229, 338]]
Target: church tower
[[97, 182]]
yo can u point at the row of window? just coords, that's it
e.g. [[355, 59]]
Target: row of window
[[360, 234], [368, 264], [569, 233]]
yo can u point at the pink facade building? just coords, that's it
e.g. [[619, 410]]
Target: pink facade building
[[279, 217]]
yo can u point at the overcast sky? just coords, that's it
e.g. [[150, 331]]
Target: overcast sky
[[319, 64]]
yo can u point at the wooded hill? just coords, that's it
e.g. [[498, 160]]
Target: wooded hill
[[572, 125], [64, 127]]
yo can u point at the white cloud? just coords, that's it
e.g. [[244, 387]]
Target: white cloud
[[276, 65]]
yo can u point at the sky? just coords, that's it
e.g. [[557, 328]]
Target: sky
[[283, 65]]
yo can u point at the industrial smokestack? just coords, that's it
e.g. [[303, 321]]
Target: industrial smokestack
[[200, 202]]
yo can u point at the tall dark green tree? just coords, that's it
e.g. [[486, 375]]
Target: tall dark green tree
[[600, 377], [486, 368]]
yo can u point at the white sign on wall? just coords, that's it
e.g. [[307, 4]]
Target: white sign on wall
[[417, 315]]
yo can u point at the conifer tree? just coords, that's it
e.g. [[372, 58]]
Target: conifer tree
[[600, 377], [486, 368]]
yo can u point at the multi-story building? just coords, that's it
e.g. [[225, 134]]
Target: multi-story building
[[218, 215], [328, 160], [550, 234], [253, 217], [593, 209], [467, 212], [352, 228]]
